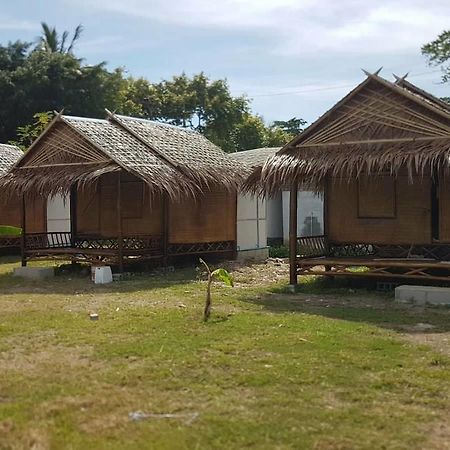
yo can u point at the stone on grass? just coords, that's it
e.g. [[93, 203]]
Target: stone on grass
[[34, 273]]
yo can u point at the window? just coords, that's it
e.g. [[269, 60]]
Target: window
[[376, 197]]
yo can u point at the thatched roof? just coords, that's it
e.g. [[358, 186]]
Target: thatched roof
[[9, 155], [256, 157], [379, 126], [169, 159], [253, 160]]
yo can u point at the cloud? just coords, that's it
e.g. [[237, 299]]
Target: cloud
[[6, 23], [298, 27]]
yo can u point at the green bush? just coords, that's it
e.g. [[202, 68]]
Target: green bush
[[281, 251]]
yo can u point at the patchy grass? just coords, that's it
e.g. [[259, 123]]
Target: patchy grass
[[270, 370]]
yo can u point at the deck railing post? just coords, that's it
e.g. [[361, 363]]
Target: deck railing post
[[119, 222], [23, 241], [165, 235], [73, 215], [293, 234]]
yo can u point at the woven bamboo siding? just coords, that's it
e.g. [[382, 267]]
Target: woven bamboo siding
[[10, 214], [88, 210], [210, 218], [97, 209], [411, 224], [444, 209]]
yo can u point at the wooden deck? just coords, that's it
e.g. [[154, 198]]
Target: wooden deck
[[111, 250], [316, 256], [375, 267]]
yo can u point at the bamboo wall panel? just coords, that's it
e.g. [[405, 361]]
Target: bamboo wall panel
[[210, 218], [97, 209], [411, 224], [376, 197], [88, 210], [444, 208], [10, 214]]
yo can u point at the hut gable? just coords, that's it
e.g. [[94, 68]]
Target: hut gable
[[169, 160], [9, 155], [378, 127], [378, 110]]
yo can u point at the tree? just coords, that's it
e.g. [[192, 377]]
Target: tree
[[36, 81], [292, 126], [26, 134], [438, 53], [52, 43]]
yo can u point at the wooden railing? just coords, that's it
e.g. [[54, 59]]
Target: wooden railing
[[312, 246], [40, 241], [63, 239]]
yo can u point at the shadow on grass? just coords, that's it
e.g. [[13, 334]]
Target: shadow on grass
[[356, 301], [69, 280]]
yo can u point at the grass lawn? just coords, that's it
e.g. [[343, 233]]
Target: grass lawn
[[322, 369]]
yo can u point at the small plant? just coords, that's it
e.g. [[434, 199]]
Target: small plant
[[219, 274], [280, 251]]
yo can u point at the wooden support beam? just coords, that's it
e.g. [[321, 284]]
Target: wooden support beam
[[119, 221], [24, 230], [166, 229], [73, 215], [293, 233]]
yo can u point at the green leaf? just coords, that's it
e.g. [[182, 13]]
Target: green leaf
[[223, 275]]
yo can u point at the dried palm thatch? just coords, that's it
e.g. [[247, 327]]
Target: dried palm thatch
[[378, 127], [253, 160], [74, 150]]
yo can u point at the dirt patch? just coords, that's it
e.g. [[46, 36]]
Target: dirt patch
[[437, 341], [259, 273]]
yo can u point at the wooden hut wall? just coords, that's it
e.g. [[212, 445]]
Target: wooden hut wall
[[387, 211], [444, 208], [36, 217], [209, 218], [97, 208]]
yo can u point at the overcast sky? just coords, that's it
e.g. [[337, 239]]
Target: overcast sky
[[292, 57]]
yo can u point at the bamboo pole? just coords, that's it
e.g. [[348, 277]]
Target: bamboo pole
[[119, 222], [23, 237], [293, 233], [165, 237]]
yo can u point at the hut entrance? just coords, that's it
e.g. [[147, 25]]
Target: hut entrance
[[435, 210]]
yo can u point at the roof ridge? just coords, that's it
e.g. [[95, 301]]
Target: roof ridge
[[155, 122], [405, 84], [116, 120]]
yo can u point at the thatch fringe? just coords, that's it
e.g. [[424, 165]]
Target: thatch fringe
[[310, 166]]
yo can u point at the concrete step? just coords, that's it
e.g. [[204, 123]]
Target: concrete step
[[423, 295]]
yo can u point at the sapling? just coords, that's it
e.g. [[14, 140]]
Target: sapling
[[219, 274]]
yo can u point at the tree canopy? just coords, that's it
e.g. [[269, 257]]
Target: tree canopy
[[438, 53], [46, 76]]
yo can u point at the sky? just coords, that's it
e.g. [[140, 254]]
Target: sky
[[291, 57]]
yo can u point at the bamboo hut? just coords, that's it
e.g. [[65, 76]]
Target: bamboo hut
[[381, 158], [138, 190], [10, 209]]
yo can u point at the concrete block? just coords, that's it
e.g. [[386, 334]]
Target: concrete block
[[254, 254], [34, 273], [422, 295]]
